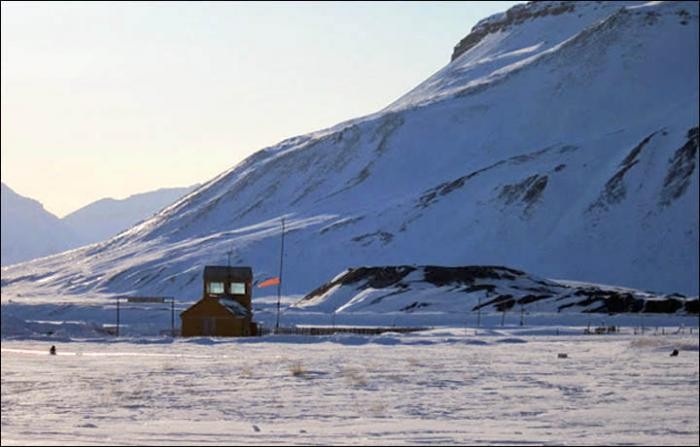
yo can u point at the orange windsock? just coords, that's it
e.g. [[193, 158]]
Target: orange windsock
[[269, 282]]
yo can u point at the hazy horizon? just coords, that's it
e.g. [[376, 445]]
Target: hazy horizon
[[109, 100]]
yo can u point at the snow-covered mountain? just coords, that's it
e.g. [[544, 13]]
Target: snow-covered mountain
[[107, 217], [487, 288], [561, 140], [29, 231]]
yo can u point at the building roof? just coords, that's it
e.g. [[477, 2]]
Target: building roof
[[223, 273], [234, 307], [229, 305]]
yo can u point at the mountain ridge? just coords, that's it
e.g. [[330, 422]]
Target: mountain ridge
[[24, 226], [47, 233]]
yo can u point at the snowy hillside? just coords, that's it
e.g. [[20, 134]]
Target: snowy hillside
[[29, 231], [564, 144], [471, 288], [107, 217]]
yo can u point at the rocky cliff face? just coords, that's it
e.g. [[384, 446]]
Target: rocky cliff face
[[514, 16]]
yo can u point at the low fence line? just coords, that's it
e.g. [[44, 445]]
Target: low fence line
[[323, 330]]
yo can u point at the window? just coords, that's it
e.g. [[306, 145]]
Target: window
[[237, 288], [214, 288]]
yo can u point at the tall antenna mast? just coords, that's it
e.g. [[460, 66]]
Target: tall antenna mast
[[279, 284]]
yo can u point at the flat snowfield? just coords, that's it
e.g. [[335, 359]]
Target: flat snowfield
[[440, 387]]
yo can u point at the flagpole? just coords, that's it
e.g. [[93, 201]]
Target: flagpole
[[279, 284]]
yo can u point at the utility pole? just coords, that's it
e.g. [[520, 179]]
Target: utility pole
[[279, 285], [478, 313], [117, 316]]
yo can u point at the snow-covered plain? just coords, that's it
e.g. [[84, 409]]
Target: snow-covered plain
[[438, 387]]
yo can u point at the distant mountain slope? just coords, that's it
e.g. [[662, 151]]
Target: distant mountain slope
[[562, 144], [107, 217], [29, 231]]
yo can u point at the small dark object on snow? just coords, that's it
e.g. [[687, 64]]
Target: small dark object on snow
[[52, 351], [562, 355], [256, 428], [674, 353]]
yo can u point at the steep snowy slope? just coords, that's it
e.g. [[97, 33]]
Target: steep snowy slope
[[107, 217], [29, 231], [563, 144]]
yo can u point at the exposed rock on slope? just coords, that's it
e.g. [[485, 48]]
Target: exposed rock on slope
[[490, 288]]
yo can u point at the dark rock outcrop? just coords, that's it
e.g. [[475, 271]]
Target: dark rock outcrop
[[515, 15]]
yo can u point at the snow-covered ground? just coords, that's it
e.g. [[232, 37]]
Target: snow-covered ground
[[439, 387]]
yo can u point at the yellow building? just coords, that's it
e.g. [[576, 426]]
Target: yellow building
[[225, 309]]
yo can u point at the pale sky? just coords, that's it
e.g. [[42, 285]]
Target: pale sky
[[113, 99]]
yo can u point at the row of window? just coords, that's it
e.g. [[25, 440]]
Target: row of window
[[217, 288]]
